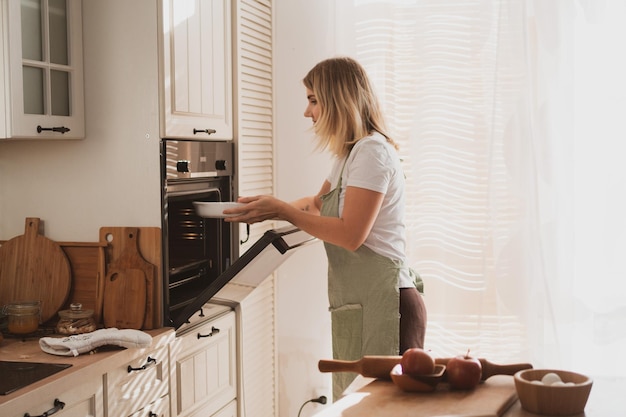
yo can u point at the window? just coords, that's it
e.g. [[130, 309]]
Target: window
[[508, 114]]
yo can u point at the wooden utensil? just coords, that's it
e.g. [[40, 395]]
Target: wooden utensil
[[33, 267], [417, 383], [149, 248], [381, 366], [87, 265], [129, 280], [369, 366]]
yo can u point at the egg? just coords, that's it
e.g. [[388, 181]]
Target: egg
[[550, 378]]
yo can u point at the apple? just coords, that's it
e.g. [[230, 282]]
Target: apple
[[464, 372], [416, 361]]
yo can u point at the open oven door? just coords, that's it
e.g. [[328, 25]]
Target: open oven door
[[253, 267]]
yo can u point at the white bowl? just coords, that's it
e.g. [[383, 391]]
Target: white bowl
[[214, 210]]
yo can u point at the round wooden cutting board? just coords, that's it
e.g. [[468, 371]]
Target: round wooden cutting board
[[33, 267]]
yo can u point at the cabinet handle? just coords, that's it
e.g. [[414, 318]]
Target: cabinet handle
[[61, 129], [152, 414], [207, 131], [149, 361], [58, 406], [214, 330]]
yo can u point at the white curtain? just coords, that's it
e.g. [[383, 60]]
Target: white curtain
[[510, 115]]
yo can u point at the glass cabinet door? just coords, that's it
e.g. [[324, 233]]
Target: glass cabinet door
[[43, 52], [45, 58]]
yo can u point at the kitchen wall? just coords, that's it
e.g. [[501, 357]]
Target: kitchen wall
[[111, 178], [303, 36]]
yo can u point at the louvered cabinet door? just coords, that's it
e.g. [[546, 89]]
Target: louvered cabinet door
[[254, 91], [196, 69]]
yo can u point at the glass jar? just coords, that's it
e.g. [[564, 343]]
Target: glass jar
[[76, 320], [23, 317]]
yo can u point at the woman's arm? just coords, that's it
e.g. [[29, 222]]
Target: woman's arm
[[361, 206]]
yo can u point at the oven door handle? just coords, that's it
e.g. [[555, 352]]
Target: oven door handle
[[184, 193]]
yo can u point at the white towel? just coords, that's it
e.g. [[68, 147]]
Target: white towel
[[86, 342]]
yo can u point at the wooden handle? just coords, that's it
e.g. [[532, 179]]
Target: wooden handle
[[491, 369], [31, 227], [335, 365], [369, 366]]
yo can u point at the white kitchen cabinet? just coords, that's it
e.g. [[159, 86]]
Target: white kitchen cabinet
[[137, 383], [204, 371], [196, 69], [41, 69], [84, 400]]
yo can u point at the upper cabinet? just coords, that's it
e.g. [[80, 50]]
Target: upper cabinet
[[196, 69], [41, 71]]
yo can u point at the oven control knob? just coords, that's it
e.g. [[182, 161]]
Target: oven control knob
[[220, 165], [182, 166]]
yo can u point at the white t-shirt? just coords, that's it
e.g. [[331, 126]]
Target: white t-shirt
[[374, 164]]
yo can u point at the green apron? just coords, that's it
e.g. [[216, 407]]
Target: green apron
[[364, 300]]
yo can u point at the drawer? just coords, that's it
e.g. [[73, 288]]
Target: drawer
[[83, 401], [137, 383], [204, 372], [159, 408]]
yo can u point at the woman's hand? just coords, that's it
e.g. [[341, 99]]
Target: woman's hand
[[256, 209]]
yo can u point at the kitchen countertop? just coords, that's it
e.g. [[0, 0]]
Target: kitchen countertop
[[84, 367], [378, 398]]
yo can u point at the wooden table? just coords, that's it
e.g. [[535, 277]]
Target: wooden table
[[495, 397]]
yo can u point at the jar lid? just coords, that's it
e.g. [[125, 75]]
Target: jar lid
[[22, 307], [75, 312]]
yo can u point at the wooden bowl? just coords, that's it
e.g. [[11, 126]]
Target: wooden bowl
[[417, 383], [552, 400]]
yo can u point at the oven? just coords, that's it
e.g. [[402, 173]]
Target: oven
[[196, 250]]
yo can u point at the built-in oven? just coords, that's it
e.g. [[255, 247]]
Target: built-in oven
[[196, 250], [201, 261]]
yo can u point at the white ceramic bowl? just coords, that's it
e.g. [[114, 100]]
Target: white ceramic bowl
[[214, 210]]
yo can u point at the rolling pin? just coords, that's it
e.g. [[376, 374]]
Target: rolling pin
[[380, 366]]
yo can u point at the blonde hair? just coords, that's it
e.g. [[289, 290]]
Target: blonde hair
[[349, 109]]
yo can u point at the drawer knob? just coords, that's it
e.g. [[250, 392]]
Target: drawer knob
[[58, 406], [149, 361], [214, 330]]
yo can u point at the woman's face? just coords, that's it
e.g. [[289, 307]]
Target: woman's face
[[312, 109]]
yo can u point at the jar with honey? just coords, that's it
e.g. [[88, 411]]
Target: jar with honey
[[23, 317]]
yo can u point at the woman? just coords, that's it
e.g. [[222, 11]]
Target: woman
[[375, 305]]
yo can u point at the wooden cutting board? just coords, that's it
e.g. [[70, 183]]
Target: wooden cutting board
[[382, 398], [87, 265], [33, 267], [131, 292]]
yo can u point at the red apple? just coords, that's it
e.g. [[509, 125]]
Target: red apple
[[416, 361], [464, 372]]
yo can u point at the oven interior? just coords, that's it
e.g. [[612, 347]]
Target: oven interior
[[198, 248]]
